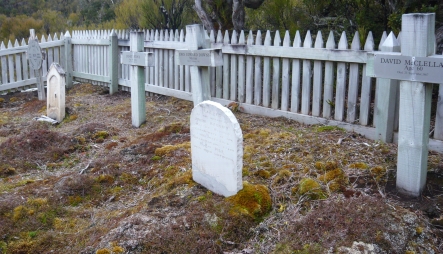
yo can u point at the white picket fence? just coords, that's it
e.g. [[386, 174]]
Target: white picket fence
[[311, 80], [15, 71]]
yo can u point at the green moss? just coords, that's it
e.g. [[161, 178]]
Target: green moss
[[334, 179], [282, 177], [100, 135], [311, 188], [172, 128], [168, 149], [263, 173], [108, 179], [359, 165], [253, 201], [325, 128], [155, 158], [378, 172]]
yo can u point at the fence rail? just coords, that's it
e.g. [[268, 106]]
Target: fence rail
[[312, 80]]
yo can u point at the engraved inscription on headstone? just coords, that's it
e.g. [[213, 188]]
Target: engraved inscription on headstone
[[217, 148], [35, 55], [56, 93]]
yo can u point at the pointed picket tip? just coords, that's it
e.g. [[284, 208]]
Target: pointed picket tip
[[176, 35], [171, 35], [43, 38], [297, 40], [287, 39], [157, 35], [49, 37], [23, 42], [234, 37], [212, 36], [9, 44], [277, 39], [390, 44], [258, 39], [369, 44], [308, 40], [318, 40], [330, 43], [250, 38], [343, 42], [226, 39], [399, 38], [383, 38], [241, 39], [355, 45], [55, 37], [182, 35], [219, 37], [268, 38], [2, 46]]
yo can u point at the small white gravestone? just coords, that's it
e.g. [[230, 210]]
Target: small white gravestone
[[56, 92], [217, 148]]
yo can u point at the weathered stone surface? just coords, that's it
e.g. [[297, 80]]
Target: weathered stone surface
[[217, 148], [56, 93]]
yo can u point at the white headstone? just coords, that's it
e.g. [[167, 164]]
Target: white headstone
[[217, 148], [55, 108]]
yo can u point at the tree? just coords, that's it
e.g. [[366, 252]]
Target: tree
[[224, 14], [128, 14], [165, 14]]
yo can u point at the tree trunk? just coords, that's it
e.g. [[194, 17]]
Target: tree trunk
[[238, 15], [439, 39], [203, 15]]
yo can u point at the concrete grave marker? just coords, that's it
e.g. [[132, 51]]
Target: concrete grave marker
[[35, 57], [200, 58], [137, 61], [217, 148], [415, 65], [56, 92]]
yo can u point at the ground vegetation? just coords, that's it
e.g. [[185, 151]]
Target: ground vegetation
[[94, 184]]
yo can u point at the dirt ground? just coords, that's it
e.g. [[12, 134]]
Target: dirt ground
[[95, 184]]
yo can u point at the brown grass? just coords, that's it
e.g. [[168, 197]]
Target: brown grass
[[303, 192]]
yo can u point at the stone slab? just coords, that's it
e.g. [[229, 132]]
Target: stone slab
[[35, 55], [217, 148]]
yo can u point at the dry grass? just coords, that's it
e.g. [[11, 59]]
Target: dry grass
[[94, 184]]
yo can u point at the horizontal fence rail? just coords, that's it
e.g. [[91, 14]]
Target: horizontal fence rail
[[318, 79]]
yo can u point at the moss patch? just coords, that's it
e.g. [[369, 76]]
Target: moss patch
[[253, 201]]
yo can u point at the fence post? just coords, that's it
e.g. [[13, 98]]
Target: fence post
[[386, 97], [68, 59], [113, 63], [438, 131], [418, 40]]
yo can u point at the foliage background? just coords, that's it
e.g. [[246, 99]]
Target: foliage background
[[51, 16]]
